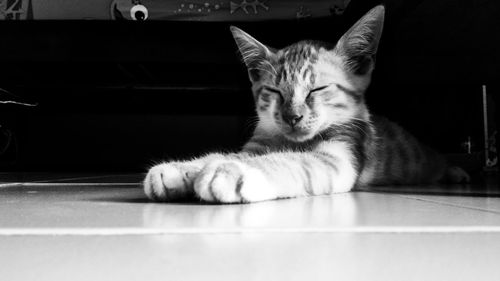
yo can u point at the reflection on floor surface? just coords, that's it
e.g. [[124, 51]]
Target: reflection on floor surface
[[101, 227]]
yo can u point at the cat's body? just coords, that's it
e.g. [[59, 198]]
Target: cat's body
[[383, 152], [315, 134]]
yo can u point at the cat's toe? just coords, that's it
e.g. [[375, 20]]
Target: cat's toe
[[166, 182], [232, 182], [219, 182]]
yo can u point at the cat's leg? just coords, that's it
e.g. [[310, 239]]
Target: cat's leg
[[172, 181], [327, 169]]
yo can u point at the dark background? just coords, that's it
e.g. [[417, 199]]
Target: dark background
[[119, 96]]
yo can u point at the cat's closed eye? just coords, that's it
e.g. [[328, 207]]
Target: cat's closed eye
[[316, 90], [275, 91]]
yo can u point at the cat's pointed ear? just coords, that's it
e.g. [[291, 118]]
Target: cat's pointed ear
[[255, 55], [359, 44]]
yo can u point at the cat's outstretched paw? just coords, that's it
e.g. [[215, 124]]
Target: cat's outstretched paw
[[232, 181], [169, 181]]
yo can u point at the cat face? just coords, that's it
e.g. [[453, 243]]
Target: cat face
[[309, 92], [307, 87]]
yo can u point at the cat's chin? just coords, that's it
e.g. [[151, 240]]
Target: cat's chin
[[298, 136]]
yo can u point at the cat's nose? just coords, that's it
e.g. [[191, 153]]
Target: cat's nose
[[292, 119]]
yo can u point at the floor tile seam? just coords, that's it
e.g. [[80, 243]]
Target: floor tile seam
[[450, 204], [431, 193], [36, 184], [58, 181], [43, 184], [10, 184], [6, 232], [76, 178]]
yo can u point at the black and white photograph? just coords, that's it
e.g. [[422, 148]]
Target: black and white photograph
[[249, 140]]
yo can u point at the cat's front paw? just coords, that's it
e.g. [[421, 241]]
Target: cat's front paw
[[232, 181], [169, 181]]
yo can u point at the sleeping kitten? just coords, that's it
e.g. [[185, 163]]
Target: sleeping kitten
[[315, 134]]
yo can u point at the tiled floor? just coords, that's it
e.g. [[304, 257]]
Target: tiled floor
[[87, 227]]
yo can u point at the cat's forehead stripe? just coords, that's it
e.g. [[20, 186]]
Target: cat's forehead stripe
[[297, 59], [308, 74]]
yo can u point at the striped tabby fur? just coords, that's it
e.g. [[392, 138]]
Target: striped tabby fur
[[315, 134]]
